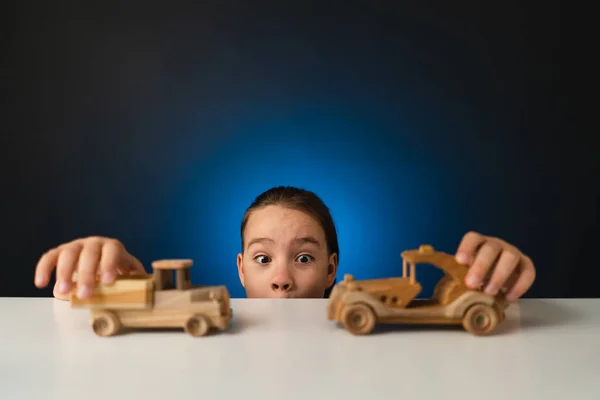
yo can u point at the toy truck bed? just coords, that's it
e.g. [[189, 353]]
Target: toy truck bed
[[127, 292]]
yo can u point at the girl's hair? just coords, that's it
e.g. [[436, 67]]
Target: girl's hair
[[301, 200]]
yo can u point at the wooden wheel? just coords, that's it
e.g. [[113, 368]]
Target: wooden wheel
[[196, 325], [358, 319], [480, 319], [105, 323]]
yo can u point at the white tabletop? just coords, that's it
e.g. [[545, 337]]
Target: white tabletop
[[287, 349]]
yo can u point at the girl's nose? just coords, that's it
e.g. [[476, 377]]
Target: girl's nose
[[284, 287], [282, 281]]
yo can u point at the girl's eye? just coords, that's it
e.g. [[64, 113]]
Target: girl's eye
[[305, 258], [261, 259]]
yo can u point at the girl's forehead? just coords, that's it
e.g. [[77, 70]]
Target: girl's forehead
[[279, 221]]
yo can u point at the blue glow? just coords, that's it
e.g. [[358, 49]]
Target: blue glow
[[381, 196]]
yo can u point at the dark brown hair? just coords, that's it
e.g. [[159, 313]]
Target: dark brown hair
[[301, 200]]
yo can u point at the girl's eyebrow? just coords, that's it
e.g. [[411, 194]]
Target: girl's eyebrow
[[299, 240], [259, 240], [308, 239]]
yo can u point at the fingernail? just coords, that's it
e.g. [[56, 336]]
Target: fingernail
[[63, 287], [462, 258], [472, 281], [107, 277], [39, 280], [490, 289], [83, 291]]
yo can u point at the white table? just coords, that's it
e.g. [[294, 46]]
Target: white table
[[287, 349]]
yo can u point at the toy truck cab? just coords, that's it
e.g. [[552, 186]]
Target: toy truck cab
[[164, 299], [165, 270]]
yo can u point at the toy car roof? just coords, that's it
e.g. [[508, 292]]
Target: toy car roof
[[172, 264], [444, 261], [418, 255]]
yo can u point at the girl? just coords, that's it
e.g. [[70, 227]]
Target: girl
[[289, 250]]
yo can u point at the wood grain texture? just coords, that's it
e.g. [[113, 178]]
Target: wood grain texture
[[124, 293]]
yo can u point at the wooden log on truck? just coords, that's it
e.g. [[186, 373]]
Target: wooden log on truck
[[127, 292]]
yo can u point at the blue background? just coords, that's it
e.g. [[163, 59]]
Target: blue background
[[158, 125]]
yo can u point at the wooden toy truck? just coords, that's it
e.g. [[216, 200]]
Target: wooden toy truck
[[359, 305], [155, 301]]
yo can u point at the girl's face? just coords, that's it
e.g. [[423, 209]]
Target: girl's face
[[285, 255]]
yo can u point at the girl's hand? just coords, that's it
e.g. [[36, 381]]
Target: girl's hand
[[495, 264], [88, 257]]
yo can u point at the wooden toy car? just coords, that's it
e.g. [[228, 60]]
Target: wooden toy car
[[154, 301], [359, 305]]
